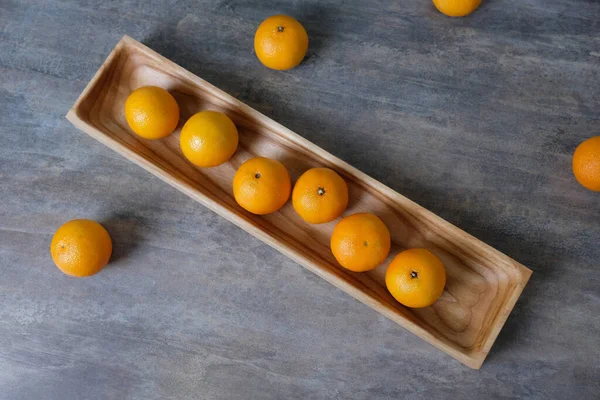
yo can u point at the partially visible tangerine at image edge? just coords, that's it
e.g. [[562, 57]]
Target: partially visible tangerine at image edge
[[456, 8], [586, 163]]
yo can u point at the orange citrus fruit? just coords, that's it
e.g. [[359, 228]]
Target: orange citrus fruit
[[152, 112], [416, 278], [81, 247], [261, 185], [456, 8], [360, 242], [586, 163], [208, 138], [320, 195], [280, 42]]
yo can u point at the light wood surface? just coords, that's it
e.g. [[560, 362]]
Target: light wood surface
[[483, 284]]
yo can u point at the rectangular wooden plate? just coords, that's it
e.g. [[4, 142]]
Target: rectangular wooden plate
[[482, 286]]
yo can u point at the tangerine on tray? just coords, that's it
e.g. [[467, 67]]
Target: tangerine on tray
[[416, 278], [360, 242], [262, 185], [151, 112], [208, 139], [320, 195]]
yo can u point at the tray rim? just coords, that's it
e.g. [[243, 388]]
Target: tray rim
[[473, 359]]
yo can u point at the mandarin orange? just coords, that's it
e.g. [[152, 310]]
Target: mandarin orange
[[262, 185], [360, 242], [416, 278], [81, 247], [280, 42], [208, 139], [320, 195], [152, 112]]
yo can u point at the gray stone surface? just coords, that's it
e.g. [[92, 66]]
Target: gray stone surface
[[475, 118]]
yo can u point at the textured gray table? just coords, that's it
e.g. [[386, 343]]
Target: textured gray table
[[476, 119]]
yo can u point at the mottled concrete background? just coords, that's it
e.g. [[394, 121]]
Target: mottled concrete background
[[474, 118]]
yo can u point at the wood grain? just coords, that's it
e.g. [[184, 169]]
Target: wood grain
[[483, 284]]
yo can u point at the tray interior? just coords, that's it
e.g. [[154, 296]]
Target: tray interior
[[482, 283]]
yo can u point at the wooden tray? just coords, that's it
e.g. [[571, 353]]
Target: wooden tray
[[482, 286]]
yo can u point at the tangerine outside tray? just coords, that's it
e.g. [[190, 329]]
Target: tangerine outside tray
[[482, 283]]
